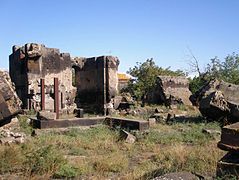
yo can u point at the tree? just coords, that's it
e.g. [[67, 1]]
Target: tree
[[144, 77], [227, 70]]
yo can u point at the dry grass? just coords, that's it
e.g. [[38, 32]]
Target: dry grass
[[97, 153]]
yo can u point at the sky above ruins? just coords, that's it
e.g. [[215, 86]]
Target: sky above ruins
[[133, 30]]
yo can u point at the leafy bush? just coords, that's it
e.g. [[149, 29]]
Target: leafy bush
[[145, 76]]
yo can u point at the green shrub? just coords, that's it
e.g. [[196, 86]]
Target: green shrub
[[66, 171], [43, 160]]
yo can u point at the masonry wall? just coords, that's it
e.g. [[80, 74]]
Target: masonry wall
[[96, 81], [30, 63], [170, 90]]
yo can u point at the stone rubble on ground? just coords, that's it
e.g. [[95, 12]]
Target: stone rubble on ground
[[129, 138], [9, 134]]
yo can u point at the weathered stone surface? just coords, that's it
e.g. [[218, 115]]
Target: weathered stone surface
[[131, 124], [10, 133], [152, 122], [230, 138], [123, 102], [96, 81], [46, 115], [218, 100], [79, 112], [228, 165], [10, 104], [211, 131], [32, 62], [170, 90], [129, 138]]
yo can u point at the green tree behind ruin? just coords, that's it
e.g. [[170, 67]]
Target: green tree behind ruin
[[227, 70], [144, 77]]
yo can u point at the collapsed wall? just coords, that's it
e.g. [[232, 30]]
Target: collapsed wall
[[170, 90], [96, 81], [218, 100], [33, 62], [10, 104]]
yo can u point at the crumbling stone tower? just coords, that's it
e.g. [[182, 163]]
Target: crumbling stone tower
[[33, 62]]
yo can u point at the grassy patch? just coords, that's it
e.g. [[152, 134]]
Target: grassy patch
[[98, 153], [24, 125], [188, 133]]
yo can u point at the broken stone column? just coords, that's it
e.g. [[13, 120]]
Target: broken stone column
[[218, 101], [96, 82], [33, 62], [170, 90], [229, 164], [10, 104]]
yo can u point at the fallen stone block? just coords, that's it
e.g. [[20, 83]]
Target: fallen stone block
[[211, 132], [62, 123], [152, 122], [218, 101], [228, 165], [170, 90], [79, 112], [131, 124], [10, 104], [160, 118], [129, 138], [230, 138], [157, 110]]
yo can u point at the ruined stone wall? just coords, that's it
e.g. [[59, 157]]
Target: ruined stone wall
[[218, 101], [30, 63], [10, 104], [96, 80], [170, 90]]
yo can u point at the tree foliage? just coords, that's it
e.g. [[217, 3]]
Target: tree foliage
[[227, 70], [144, 77]]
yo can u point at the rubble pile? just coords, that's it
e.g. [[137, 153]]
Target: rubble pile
[[10, 133], [218, 101]]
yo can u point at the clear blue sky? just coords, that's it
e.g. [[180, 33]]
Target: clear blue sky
[[133, 30]]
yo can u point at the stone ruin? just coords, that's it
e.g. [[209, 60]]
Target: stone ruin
[[34, 66], [33, 62], [96, 81], [170, 90], [10, 104], [229, 164], [218, 101]]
